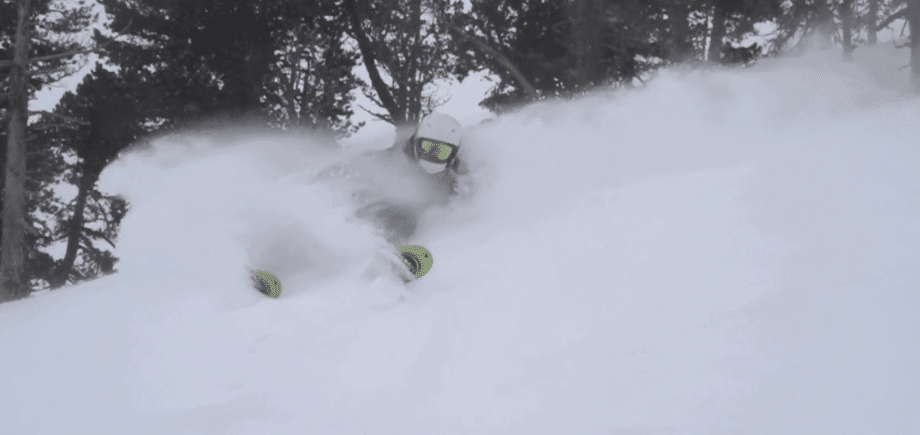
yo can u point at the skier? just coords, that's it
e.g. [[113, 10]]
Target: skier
[[431, 151]]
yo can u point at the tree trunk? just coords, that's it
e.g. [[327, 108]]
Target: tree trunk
[[678, 45], [717, 35], [913, 17], [503, 60], [824, 24], [580, 40], [413, 109], [75, 231], [243, 82], [13, 282], [846, 19], [370, 62], [586, 36], [872, 19]]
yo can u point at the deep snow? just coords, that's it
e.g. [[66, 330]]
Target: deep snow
[[730, 252]]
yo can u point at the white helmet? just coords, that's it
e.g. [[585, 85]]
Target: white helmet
[[439, 126], [436, 141]]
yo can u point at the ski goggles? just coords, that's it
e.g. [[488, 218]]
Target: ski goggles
[[434, 151]]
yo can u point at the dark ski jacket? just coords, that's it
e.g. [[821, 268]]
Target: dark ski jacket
[[399, 220]]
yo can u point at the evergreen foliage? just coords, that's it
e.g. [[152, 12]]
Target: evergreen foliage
[[38, 45]]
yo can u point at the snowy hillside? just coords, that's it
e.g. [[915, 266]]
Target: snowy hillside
[[728, 252]]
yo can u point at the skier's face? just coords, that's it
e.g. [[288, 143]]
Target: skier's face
[[432, 168]]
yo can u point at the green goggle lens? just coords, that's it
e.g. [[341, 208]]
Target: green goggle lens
[[435, 150]]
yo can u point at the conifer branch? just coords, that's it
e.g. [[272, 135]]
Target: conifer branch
[[71, 53], [65, 118], [501, 58], [891, 18]]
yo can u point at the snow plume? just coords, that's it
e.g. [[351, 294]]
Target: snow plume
[[718, 252], [206, 208]]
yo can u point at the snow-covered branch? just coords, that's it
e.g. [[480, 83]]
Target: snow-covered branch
[[891, 18]]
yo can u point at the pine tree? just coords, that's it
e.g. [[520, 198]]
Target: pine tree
[[403, 40], [732, 21], [913, 17], [105, 121], [30, 66], [541, 49], [872, 20], [313, 76], [847, 25], [232, 60], [526, 43]]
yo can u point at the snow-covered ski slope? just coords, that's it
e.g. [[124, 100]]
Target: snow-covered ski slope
[[716, 253]]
